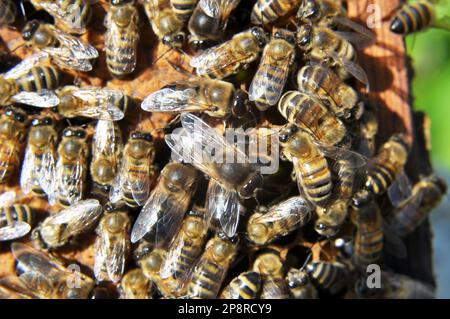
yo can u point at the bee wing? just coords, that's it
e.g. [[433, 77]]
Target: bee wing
[[76, 48], [43, 98], [7, 198], [219, 9], [99, 103], [296, 205], [28, 169], [351, 67], [13, 288], [362, 35], [16, 230], [224, 205], [47, 173], [63, 57], [400, 190], [8, 153], [26, 65], [152, 8], [70, 181], [105, 139], [62, 17], [169, 265], [353, 159]]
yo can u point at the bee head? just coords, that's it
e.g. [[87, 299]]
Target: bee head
[[30, 29], [361, 199], [174, 40], [287, 132], [288, 36], [138, 135], [121, 2], [260, 35], [240, 104], [297, 278], [304, 36], [308, 11], [139, 145], [197, 44], [75, 132]]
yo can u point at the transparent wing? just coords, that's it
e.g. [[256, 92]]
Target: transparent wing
[[100, 255], [296, 205], [70, 181], [63, 57], [62, 16], [7, 160], [352, 159], [362, 35], [400, 190], [219, 9], [393, 243], [26, 65], [13, 288], [77, 48], [7, 198], [13, 231], [43, 98], [105, 139], [46, 174], [152, 8], [28, 171], [351, 67], [169, 265]]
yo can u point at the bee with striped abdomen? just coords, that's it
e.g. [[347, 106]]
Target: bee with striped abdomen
[[300, 285], [231, 56], [13, 122], [329, 276], [65, 50], [277, 59], [39, 165], [122, 37], [136, 173], [134, 285], [245, 286], [270, 266], [267, 11], [71, 16], [8, 12], [183, 8], [16, 220]]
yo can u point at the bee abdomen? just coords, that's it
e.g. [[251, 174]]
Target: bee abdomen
[[206, 281], [316, 182], [328, 276], [16, 213], [369, 246], [183, 8], [380, 178], [266, 11], [412, 17], [245, 286], [274, 288], [39, 78]]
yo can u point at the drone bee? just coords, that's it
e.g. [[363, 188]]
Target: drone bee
[[244, 286], [329, 276], [270, 266], [59, 229], [71, 16], [16, 220], [134, 285], [13, 123], [39, 165], [113, 243], [136, 173], [8, 12], [122, 37], [209, 20], [268, 11], [231, 56], [277, 59], [279, 220], [64, 50], [183, 8], [162, 214], [31, 82], [300, 285]]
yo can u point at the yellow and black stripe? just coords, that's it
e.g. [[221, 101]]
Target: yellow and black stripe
[[267, 11], [8, 12], [244, 286], [380, 177], [183, 8], [206, 280], [413, 17], [329, 276], [316, 181], [39, 78], [16, 213], [78, 12], [274, 288]]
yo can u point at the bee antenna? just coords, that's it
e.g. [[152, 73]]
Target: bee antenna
[[162, 55], [308, 258], [24, 12]]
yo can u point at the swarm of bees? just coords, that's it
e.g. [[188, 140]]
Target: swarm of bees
[[188, 226]]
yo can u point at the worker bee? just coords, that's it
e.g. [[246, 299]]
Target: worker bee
[[231, 56], [277, 59], [166, 23], [214, 97], [39, 165], [134, 285], [270, 266], [233, 176], [162, 214], [321, 44], [8, 12], [71, 167], [329, 276], [387, 165], [59, 229], [305, 110], [92, 102], [300, 285], [267, 11], [113, 243], [325, 84], [183, 8], [245, 286], [16, 220], [13, 123], [209, 20], [426, 194], [71, 16], [31, 82], [368, 128], [212, 267], [279, 220], [122, 37], [64, 50], [106, 153], [136, 173]]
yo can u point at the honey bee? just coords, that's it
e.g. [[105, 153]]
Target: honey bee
[[113, 243], [212, 267], [45, 277], [166, 23], [368, 131], [279, 220], [305, 110], [267, 11], [329, 276], [106, 153], [277, 59], [209, 20], [324, 45], [244, 286], [59, 229], [323, 82], [214, 97], [64, 50], [300, 285], [387, 165], [233, 176], [231, 56], [71, 16], [183, 8], [31, 82], [398, 286], [150, 261], [92, 102], [13, 123], [134, 285], [122, 37], [71, 167], [8, 12], [426, 194], [39, 164], [16, 220], [162, 214], [136, 173], [270, 266]]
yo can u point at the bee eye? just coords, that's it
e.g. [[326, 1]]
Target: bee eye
[[283, 138], [20, 118], [35, 122], [277, 35], [80, 134], [9, 112], [147, 137], [68, 132], [134, 135], [47, 121], [179, 38]]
